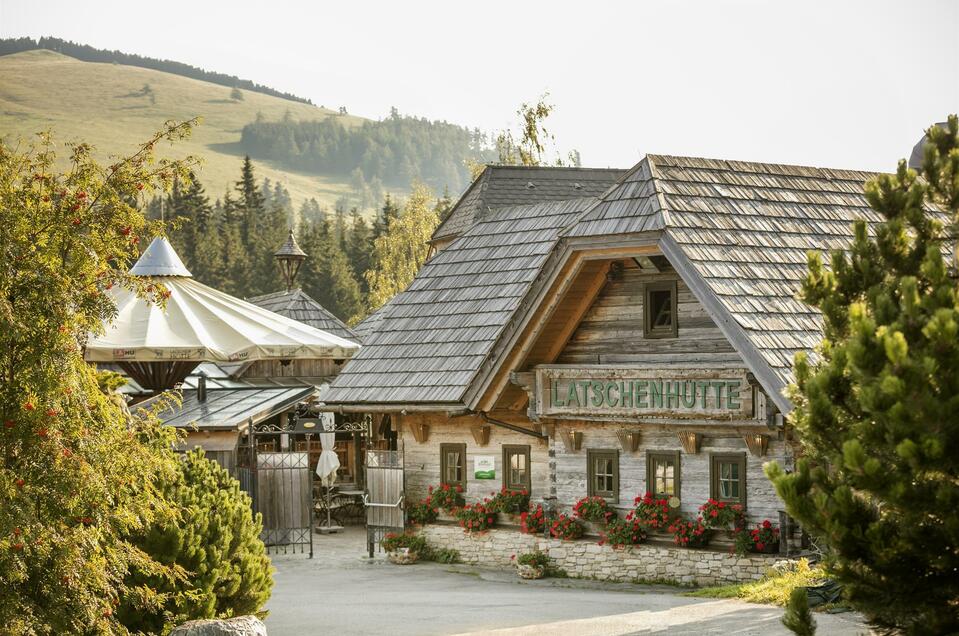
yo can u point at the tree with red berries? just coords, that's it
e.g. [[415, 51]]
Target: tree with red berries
[[877, 409], [78, 473]]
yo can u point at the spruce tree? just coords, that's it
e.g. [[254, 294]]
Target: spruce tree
[[798, 619], [327, 276], [359, 246], [215, 541], [877, 408]]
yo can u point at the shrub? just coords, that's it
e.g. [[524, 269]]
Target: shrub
[[690, 534], [422, 513], [651, 512], [533, 522], [509, 501], [445, 555], [719, 514], [475, 517], [566, 528], [446, 497], [620, 533], [394, 541], [534, 559], [593, 509], [216, 541]]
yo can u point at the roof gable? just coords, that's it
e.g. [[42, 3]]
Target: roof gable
[[299, 306], [437, 333], [499, 186]]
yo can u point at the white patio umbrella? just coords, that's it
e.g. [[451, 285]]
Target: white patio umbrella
[[200, 323], [326, 468], [328, 463]]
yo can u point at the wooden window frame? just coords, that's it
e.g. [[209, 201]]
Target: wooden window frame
[[516, 449], [714, 460], [461, 448], [673, 455], [591, 455], [661, 332]]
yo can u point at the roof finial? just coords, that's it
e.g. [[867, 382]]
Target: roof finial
[[290, 257]]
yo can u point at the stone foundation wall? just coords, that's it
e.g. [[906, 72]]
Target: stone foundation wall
[[588, 559]]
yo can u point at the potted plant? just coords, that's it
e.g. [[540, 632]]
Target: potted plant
[[533, 521], [509, 503], [531, 565], [653, 513], [422, 513], [691, 534], [620, 533], [764, 538], [403, 549], [475, 517], [566, 528], [595, 512], [446, 498]]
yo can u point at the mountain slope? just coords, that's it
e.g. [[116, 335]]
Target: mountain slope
[[105, 105]]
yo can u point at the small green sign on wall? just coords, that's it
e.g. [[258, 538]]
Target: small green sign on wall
[[484, 467]]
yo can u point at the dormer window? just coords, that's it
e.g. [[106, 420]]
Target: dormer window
[[660, 319]]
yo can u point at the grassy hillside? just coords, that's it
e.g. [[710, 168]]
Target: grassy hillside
[[103, 104]]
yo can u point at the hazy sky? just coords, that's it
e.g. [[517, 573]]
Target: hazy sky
[[829, 83]]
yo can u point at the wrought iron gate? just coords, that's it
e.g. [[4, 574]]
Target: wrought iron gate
[[384, 499], [280, 483]]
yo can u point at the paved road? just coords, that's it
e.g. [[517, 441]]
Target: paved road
[[340, 592]]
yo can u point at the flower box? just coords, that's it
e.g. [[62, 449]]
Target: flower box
[[403, 556], [530, 572]]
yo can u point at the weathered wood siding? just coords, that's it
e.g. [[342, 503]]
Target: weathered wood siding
[[570, 467], [316, 368], [612, 330], [422, 461]]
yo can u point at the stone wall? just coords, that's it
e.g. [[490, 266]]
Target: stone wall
[[588, 559]]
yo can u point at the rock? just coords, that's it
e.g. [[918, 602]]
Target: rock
[[238, 626]]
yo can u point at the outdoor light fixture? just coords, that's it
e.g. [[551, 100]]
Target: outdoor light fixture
[[690, 441], [421, 431], [628, 440], [290, 257], [481, 434], [573, 440], [756, 443]]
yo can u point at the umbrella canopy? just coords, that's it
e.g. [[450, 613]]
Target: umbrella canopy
[[202, 324]]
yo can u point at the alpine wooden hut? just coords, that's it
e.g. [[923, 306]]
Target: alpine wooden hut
[[633, 333]]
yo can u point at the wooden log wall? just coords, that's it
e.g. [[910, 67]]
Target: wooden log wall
[[612, 330], [422, 460], [570, 467], [318, 368]]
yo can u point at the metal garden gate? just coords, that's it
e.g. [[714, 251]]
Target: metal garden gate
[[280, 483], [384, 499]]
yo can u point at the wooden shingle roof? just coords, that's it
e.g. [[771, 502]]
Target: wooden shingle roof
[[744, 229], [737, 232], [436, 334], [499, 186], [299, 306]]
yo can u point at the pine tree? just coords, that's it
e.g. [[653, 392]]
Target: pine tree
[[798, 619], [215, 541], [327, 276], [876, 410], [359, 247], [401, 251]]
